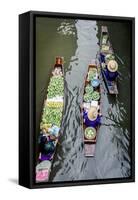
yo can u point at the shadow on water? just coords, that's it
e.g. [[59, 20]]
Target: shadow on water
[[77, 41]]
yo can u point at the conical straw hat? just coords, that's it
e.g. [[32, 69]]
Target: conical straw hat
[[92, 113], [112, 66]]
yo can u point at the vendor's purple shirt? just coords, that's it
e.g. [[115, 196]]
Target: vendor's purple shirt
[[111, 76], [93, 123], [102, 58], [45, 157]]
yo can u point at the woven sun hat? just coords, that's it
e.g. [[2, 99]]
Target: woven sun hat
[[92, 113], [112, 66]]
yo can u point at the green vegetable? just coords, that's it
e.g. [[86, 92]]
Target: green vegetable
[[88, 94], [95, 96], [91, 95], [52, 116], [87, 97], [90, 133], [56, 87], [88, 89], [109, 57], [91, 75]]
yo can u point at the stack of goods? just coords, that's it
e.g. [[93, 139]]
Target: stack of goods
[[91, 92], [91, 112], [51, 116], [56, 87], [52, 111], [92, 74], [105, 45], [57, 71], [104, 39], [109, 57]]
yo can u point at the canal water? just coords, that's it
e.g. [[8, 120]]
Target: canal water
[[78, 42]]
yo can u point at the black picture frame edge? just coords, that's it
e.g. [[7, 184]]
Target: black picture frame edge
[[26, 97], [133, 99], [24, 46], [78, 15]]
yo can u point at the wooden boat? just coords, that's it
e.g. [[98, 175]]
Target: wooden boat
[[90, 144], [106, 49], [50, 122]]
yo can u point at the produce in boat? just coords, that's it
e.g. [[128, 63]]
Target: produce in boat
[[91, 101], [50, 122]]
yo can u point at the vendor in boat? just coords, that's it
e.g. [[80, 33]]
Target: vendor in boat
[[46, 146], [46, 150], [50, 133], [92, 117], [111, 70]]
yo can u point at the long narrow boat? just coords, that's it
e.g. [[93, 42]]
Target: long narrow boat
[[94, 101], [106, 50], [50, 122]]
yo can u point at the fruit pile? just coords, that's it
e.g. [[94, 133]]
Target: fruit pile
[[92, 74], [91, 95], [90, 133], [52, 111], [95, 96], [88, 89], [56, 87], [51, 116], [105, 47]]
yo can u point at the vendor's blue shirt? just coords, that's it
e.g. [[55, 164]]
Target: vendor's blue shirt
[[102, 58], [111, 76], [93, 123]]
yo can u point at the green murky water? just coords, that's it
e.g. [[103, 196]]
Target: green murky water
[[78, 42]]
